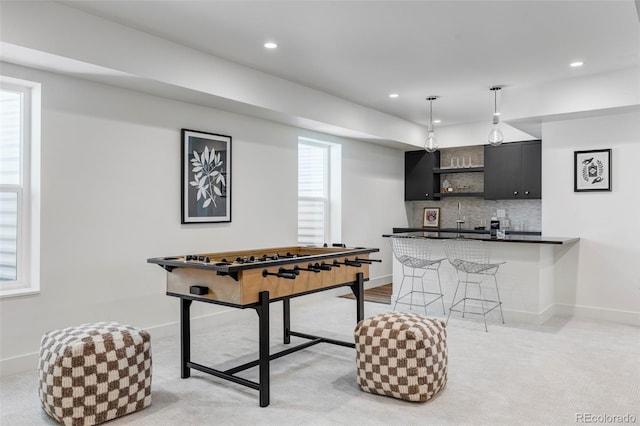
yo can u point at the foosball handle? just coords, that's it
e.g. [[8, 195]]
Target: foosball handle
[[309, 268], [280, 274], [288, 271], [287, 275], [322, 266], [355, 263]]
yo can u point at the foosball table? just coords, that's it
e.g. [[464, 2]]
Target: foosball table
[[255, 278]]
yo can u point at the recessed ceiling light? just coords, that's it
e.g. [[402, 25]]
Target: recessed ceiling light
[[270, 45], [393, 95], [437, 121], [576, 64]]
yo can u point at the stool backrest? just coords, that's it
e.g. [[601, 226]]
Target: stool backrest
[[411, 251], [466, 251]]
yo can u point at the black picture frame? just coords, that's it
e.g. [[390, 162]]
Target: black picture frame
[[206, 177], [592, 170]]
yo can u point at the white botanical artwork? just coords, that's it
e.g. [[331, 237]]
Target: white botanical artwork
[[207, 176]]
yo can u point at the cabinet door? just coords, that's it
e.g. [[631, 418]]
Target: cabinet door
[[502, 171], [532, 170], [419, 180]]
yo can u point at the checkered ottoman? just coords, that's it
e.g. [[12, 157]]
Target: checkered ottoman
[[94, 372], [402, 355]]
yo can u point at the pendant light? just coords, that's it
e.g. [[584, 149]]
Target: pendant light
[[495, 136], [431, 144]]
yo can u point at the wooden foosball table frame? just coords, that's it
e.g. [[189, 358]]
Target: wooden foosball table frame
[[254, 279]]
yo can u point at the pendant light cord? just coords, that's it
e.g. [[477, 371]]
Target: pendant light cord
[[431, 99]]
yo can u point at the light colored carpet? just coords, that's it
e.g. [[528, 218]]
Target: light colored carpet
[[512, 375]]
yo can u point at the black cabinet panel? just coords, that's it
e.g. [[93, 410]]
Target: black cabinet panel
[[513, 171], [532, 170], [501, 163], [420, 183]]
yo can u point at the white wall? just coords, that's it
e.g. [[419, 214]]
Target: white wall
[[111, 199], [608, 277]]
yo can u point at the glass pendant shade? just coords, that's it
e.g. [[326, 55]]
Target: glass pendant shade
[[431, 144], [495, 135]]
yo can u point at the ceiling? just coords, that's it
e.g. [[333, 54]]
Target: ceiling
[[338, 61], [362, 51]]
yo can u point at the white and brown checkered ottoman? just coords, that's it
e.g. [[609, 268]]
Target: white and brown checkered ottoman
[[94, 372], [402, 355]]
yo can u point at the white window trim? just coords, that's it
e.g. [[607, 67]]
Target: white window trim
[[28, 253]]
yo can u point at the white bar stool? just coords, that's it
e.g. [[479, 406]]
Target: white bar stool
[[471, 260], [414, 254]]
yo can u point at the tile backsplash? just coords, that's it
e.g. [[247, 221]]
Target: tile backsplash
[[522, 215]]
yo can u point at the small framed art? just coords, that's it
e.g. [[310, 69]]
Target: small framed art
[[592, 170], [431, 217], [206, 177]]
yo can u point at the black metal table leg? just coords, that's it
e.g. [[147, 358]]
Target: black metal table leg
[[185, 338], [263, 315], [286, 320], [263, 384], [358, 291]]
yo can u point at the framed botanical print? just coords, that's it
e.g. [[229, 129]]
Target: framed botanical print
[[206, 177]]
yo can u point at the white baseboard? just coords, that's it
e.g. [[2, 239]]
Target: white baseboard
[[590, 312], [524, 317], [587, 312], [19, 364]]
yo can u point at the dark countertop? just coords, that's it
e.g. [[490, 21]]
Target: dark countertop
[[480, 235], [464, 231]]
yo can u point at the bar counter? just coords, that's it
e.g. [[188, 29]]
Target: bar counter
[[513, 237], [537, 271]]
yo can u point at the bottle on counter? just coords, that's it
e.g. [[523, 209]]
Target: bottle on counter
[[495, 226]]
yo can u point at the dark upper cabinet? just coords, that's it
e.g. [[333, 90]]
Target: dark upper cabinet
[[420, 183], [513, 171]]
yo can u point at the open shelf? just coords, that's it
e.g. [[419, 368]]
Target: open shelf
[[459, 194], [458, 170]]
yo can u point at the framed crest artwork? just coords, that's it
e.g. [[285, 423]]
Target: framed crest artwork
[[592, 170]]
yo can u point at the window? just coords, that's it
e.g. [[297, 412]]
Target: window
[[319, 206], [19, 173]]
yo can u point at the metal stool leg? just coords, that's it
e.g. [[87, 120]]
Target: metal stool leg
[[400, 290], [444, 311], [453, 301], [498, 296], [424, 300], [484, 312], [464, 300], [413, 279]]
